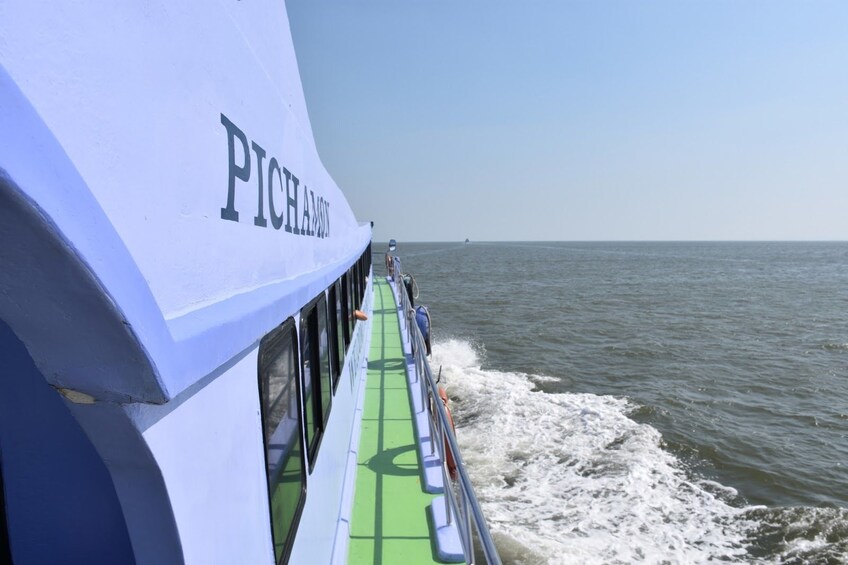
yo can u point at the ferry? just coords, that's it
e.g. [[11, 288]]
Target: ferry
[[198, 363]]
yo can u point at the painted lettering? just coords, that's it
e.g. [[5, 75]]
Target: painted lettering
[[291, 203], [304, 220], [320, 217], [327, 211], [243, 172], [259, 220], [276, 221], [314, 213], [312, 209]]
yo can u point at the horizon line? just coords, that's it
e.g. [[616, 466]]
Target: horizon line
[[624, 241]]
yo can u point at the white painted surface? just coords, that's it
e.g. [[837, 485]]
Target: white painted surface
[[134, 92], [211, 455]]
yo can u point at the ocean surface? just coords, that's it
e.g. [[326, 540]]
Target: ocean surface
[[647, 402]]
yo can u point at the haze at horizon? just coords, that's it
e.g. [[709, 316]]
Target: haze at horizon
[[577, 121]]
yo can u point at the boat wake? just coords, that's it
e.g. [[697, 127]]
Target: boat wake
[[571, 478]]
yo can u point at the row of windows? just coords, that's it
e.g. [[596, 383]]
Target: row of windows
[[298, 376]]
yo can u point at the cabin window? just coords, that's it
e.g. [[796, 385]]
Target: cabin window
[[278, 385], [363, 270], [352, 281], [346, 312], [315, 366], [324, 358], [361, 278], [357, 274], [337, 348], [351, 301]]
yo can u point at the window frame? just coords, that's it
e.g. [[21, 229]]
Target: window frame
[[278, 339], [346, 311], [335, 323], [352, 305], [308, 328]]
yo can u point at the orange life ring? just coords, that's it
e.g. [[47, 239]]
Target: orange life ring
[[448, 454]]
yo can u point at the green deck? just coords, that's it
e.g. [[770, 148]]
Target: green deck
[[390, 517]]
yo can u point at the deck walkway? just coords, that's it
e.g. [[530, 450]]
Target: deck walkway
[[390, 521]]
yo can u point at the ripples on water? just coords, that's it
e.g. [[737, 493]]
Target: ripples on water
[[678, 402]]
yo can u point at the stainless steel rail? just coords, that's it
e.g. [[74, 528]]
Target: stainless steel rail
[[461, 502]]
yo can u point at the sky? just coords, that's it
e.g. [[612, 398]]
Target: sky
[[582, 120]]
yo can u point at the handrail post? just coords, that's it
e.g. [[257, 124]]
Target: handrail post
[[462, 505], [470, 540]]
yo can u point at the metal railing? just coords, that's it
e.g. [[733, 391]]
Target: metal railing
[[461, 503]]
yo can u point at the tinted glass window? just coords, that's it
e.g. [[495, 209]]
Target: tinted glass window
[[363, 271], [351, 300], [340, 325], [317, 377], [310, 392], [346, 311], [358, 281], [278, 385], [336, 333], [326, 374]]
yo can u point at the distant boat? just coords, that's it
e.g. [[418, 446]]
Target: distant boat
[[392, 245], [467, 241]]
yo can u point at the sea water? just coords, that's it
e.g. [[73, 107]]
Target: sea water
[[648, 402]]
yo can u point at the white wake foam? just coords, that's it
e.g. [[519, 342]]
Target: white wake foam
[[570, 478]]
